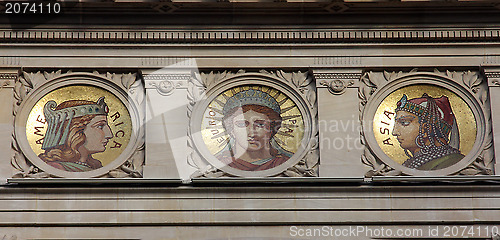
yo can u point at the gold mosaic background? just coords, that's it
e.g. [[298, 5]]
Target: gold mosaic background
[[89, 93], [290, 142], [463, 114]]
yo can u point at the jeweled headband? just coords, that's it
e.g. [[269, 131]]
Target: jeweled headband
[[418, 106], [55, 135], [252, 96]]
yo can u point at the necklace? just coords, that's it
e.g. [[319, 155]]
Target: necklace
[[423, 157], [82, 164]]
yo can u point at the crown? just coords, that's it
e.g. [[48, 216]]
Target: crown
[[55, 134], [252, 96]]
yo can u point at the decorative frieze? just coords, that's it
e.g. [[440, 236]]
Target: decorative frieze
[[339, 75], [247, 36]]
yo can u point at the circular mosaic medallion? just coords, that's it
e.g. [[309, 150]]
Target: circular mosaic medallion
[[76, 130], [425, 128], [253, 129]]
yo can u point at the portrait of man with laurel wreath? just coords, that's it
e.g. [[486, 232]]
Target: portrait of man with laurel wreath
[[252, 118], [427, 130], [76, 130]]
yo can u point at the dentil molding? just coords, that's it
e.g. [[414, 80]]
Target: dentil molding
[[226, 36]]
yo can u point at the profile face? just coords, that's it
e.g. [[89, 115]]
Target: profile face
[[251, 130], [69, 130], [97, 134], [406, 129]]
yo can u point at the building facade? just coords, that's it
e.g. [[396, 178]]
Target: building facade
[[250, 120]]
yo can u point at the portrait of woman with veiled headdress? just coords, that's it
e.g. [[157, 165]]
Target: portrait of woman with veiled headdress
[[252, 118], [426, 128], [76, 130]]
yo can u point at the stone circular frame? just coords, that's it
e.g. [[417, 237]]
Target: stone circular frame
[[432, 80], [245, 80], [69, 80]]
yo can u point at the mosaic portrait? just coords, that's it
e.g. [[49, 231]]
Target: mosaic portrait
[[424, 127], [78, 128], [252, 128]]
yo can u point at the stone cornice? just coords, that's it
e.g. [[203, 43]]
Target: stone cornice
[[250, 36]]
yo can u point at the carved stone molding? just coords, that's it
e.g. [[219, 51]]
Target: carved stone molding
[[493, 77], [167, 61], [491, 60], [337, 82], [337, 86], [337, 61], [28, 82], [325, 76], [166, 84], [7, 79], [492, 74], [8, 76], [301, 82], [10, 61], [277, 36], [472, 82]]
